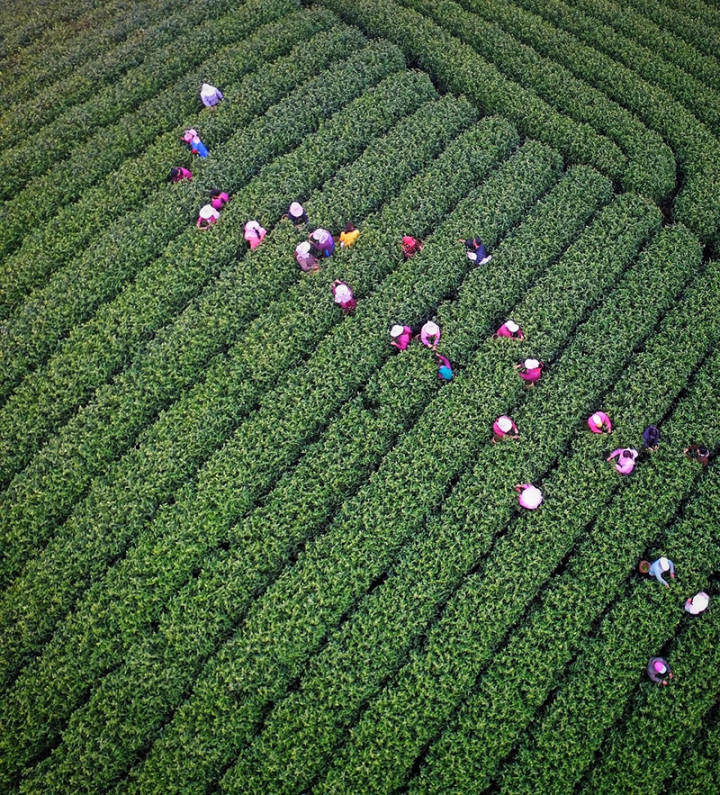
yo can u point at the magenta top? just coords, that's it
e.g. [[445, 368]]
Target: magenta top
[[403, 340], [504, 331], [255, 236], [625, 464], [606, 426], [183, 173], [218, 202], [531, 375]]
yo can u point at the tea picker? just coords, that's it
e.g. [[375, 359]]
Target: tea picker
[[400, 336], [210, 95], [657, 669], [625, 459], [509, 329], [599, 422]]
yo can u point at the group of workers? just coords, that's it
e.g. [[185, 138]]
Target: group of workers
[[320, 244]]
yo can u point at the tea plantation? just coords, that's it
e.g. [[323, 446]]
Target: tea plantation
[[246, 544]]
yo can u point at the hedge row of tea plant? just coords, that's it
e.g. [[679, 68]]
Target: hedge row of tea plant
[[638, 627], [423, 697], [330, 573], [34, 108], [693, 30], [651, 166], [508, 193], [696, 150], [700, 99], [457, 68], [158, 292], [695, 772], [59, 242], [60, 143], [642, 30], [161, 460], [206, 256], [75, 291], [597, 567]]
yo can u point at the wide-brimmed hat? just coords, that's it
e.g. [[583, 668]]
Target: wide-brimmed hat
[[396, 330], [505, 424], [512, 326], [531, 364]]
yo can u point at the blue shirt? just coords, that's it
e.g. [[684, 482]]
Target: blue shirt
[[656, 571]]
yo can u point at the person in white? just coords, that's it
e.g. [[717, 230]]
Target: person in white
[[210, 95]]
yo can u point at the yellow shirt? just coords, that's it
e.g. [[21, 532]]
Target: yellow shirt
[[347, 239]]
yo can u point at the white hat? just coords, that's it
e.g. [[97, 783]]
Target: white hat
[[342, 293], [597, 420], [664, 564], [431, 328], [252, 226], [320, 234], [532, 496], [512, 326], [531, 364], [296, 208], [207, 211], [207, 89], [504, 423], [303, 248], [396, 330], [700, 601], [191, 133]]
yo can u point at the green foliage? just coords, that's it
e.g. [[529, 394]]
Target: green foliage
[[651, 166], [59, 242]]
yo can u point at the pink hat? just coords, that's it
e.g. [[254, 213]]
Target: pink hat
[[659, 667]]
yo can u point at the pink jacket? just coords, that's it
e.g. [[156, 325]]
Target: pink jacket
[[531, 375], [430, 334], [498, 431], [625, 463], [606, 425], [403, 340], [255, 236], [504, 331]]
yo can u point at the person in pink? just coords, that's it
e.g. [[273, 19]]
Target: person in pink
[[530, 371], [697, 604], [207, 216], [625, 459], [196, 146], [254, 234], [530, 496], [305, 258], [343, 295], [504, 427], [400, 336], [430, 334], [218, 199], [178, 174], [599, 422], [509, 329]]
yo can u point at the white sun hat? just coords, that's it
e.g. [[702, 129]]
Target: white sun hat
[[208, 211], [505, 424], [664, 564], [512, 326], [431, 328], [342, 293], [531, 364], [252, 226], [396, 330], [296, 208], [597, 420], [532, 496], [303, 248]]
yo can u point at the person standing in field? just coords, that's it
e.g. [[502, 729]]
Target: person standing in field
[[599, 422], [305, 258], [509, 329], [430, 335], [530, 371], [660, 567], [210, 95], [207, 216], [196, 146], [343, 296], [697, 604], [475, 250], [504, 428], [658, 669], [349, 236], [178, 174], [530, 496], [651, 438], [411, 246], [698, 452], [445, 371], [400, 336], [254, 234], [626, 459]]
